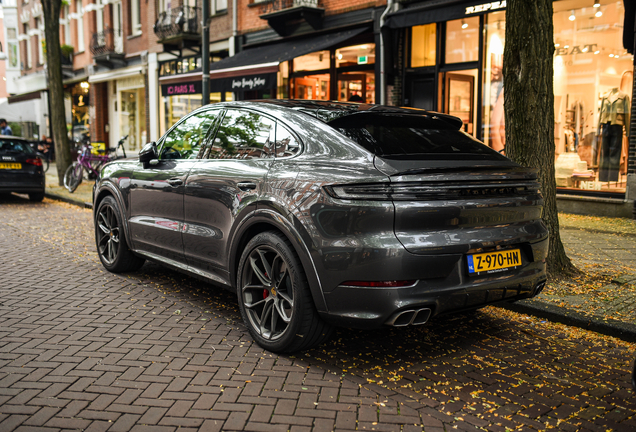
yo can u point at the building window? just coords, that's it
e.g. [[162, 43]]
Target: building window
[[462, 40], [79, 11], [135, 17], [27, 42], [38, 40], [67, 26], [423, 45], [219, 6]]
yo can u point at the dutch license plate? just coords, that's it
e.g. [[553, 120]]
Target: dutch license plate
[[494, 262], [4, 165]]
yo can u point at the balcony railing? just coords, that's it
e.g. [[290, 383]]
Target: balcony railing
[[279, 5], [108, 41], [181, 20]]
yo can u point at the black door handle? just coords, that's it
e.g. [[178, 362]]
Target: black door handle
[[175, 181], [245, 186]]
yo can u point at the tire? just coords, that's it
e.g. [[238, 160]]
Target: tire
[[278, 312], [36, 197], [73, 177], [110, 239]]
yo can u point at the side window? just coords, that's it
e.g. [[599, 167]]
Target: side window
[[286, 144], [186, 139], [243, 135]]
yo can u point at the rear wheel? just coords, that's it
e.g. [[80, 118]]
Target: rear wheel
[[73, 177], [110, 238], [274, 296]]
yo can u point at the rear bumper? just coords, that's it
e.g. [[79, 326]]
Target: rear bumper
[[28, 184], [363, 307]]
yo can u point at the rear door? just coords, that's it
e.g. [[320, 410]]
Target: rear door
[[156, 192], [224, 186]]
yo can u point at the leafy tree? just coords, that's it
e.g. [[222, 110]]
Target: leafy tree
[[529, 107], [51, 9]]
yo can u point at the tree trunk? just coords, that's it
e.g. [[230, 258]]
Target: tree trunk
[[51, 10], [529, 107]]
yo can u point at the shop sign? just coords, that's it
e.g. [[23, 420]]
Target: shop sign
[[187, 88], [486, 7], [363, 59], [576, 49], [248, 83]]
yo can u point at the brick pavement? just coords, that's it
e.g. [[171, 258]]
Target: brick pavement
[[84, 349]]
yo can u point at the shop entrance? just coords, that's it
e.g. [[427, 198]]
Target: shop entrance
[[422, 93], [457, 96]]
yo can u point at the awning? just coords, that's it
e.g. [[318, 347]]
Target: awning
[[266, 58], [116, 74], [25, 96], [432, 12]]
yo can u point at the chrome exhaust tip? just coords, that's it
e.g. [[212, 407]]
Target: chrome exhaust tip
[[539, 288], [410, 317]]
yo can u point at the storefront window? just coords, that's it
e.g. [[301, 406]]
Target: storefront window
[[423, 45], [493, 108], [462, 40], [593, 78], [318, 60], [80, 118], [175, 107], [132, 120], [357, 87], [355, 55]]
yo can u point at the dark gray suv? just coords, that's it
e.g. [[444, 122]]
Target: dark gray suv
[[319, 213]]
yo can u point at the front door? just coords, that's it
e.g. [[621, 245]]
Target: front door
[[156, 194], [458, 96], [224, 187]]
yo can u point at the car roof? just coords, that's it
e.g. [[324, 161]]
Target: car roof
[[11, 137], [331, 110]]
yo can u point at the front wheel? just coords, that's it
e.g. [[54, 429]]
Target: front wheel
[[110, 238], [73, 176], [274, 296]]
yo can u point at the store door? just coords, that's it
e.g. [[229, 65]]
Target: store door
[[304, 88], [458, 96], [423, 93], [352, 87]]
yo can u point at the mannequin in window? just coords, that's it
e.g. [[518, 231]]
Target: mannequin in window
[[614, 118]]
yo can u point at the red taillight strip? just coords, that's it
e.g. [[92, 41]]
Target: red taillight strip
[[379, 284], [36, 162]]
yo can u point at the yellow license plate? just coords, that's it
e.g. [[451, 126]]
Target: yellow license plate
[[494, 262], [4, 165]]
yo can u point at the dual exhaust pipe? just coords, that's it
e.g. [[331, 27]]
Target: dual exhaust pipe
[[410, 317]]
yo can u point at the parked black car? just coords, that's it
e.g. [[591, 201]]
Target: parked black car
[[321, 213], [20, 168]]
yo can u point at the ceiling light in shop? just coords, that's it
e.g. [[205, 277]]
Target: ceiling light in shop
[[596, 52], [464, 24], [567, 46], [339, 56], [597, 4], [572, 17], [557, 45], [611, 55], [598, 14], [586, 49]]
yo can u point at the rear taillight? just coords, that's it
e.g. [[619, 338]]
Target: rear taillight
[[409, 191], [36, 162], [379, 284]]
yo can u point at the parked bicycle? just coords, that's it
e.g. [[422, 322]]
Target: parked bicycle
[[90, 164]]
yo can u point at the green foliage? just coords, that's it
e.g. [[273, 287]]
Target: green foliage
[[67, 50]]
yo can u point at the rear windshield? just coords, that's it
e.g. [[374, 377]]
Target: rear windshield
[[411, 137], [15, 146]]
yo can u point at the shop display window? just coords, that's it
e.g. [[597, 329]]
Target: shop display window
[[593, 79], [462, 40], [423, 45], [318, 60], [355, 55], [356, 87]]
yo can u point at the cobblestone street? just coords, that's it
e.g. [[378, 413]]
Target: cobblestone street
[[154, 350]]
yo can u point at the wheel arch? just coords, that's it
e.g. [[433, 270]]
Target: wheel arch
[[108, 189], [269, 220]]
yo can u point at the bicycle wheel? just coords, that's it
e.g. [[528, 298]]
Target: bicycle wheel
[[73, 177]]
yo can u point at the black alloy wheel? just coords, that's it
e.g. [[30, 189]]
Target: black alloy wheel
[[110, 238], [274, 297]]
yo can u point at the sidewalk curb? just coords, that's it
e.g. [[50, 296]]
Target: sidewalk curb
[[610, 327], [68, 200]]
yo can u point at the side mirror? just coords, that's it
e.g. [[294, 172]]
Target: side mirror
[[148, 154]]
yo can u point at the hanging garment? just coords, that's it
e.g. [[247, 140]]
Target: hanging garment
[[615, 108], [611, 148]]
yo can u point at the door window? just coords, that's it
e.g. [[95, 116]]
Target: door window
[[286, 144], [186, 139], [243, 135]]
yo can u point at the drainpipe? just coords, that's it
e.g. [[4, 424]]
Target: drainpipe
[[205, 53], [389, 6], [234, 27]]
